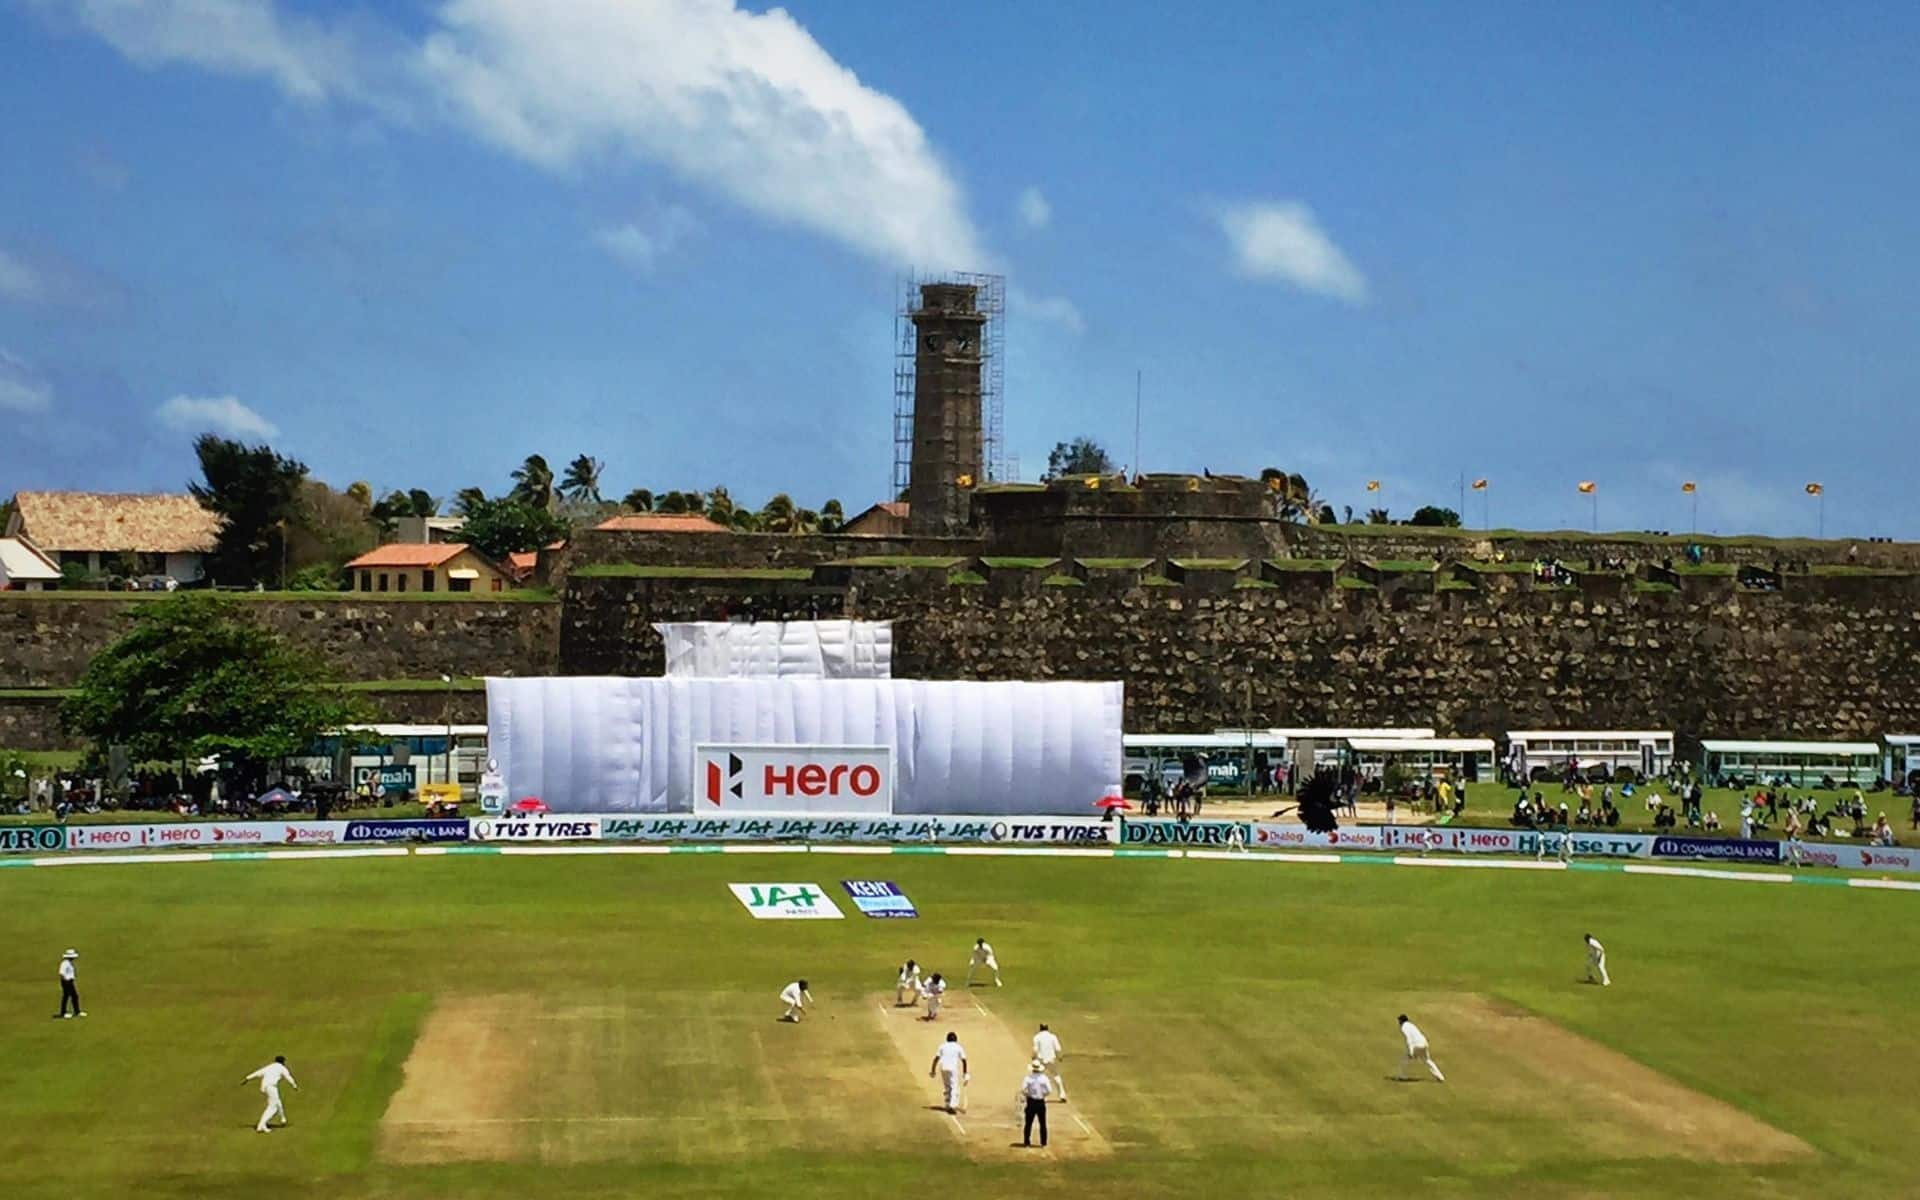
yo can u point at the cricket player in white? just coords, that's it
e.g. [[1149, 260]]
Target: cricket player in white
[[950, 1064], [1597, 962], [796, 997], [983, 957], [270, 1077], [1046, 1053], [906, 990], [1416, 1050], [931, 989]]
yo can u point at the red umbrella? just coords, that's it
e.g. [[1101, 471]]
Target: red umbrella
[[1112, 800], [531, 805]]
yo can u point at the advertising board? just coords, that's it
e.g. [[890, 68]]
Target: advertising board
[[736, 778], [551, 828]]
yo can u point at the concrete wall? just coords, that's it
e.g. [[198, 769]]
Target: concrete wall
[[1825, 656], [46, 640], [1408, 542]]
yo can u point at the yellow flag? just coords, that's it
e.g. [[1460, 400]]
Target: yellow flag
[[1688, 487], [1373, 485], [1814, 489], [1588, 487], [1479, 485]]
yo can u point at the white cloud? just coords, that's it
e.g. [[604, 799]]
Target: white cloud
[[18, 281], [1280, 240], [22, 389], [308, 60], [1035, 212], [218, 414], [639, 247], [744, 104], [1048, 310]]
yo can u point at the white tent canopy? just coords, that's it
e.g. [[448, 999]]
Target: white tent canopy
[[779, 649], [630, 745]]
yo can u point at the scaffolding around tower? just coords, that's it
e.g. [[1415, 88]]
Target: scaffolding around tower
[[990, 295]]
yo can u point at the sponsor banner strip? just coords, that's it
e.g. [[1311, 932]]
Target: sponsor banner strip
[[552, 851], [1029, 852]]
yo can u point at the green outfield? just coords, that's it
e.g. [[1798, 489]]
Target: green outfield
[[605, 1026]]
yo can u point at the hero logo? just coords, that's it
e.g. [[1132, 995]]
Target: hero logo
[[830, 779]]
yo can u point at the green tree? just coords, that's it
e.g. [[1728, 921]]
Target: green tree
[[422, 503], [466, 498], [720, 506], [743, 520], [1431, 516], [778, 514], [533, 482], [255, 493], [331, 528], [582, 480], [833, 518], [497, 528], [1081, 456], [1378, 516], [194, 677], [1288, 494], [638, 500], [677, 501]]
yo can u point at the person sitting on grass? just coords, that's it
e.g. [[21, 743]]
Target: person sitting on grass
[[1713, 821], [1585, 815], [1522, 817], [1882, 832]]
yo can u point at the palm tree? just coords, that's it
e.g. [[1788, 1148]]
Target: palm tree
[[675, 501], [582, 481], [806, 521], [833, 518], [720, 506], [467, 499], [533, 482], [778, 515], [639, 500], [744, 520], [1378, 516]]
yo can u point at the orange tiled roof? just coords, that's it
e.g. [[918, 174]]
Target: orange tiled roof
[[116, 522], [411, 554], [661, 523]]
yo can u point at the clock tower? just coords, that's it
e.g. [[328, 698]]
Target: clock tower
[[947, 455]]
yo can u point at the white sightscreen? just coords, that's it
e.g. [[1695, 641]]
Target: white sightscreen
[[626, 745], [779, 649]]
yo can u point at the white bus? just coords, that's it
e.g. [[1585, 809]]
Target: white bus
[[1902, 760], [1535, 754], [1229, 755], [1463, 760], [426, 749], [1797, 764]]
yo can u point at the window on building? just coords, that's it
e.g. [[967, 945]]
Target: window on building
[[400, 581], [366, 581], [426, 581], [459, 585], [498, 585], [383, 581]]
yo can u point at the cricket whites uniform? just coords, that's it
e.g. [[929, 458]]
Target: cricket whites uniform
[[983, 957], [270, 1077], [69, 990], [1033, 1091], [906, 992], [1046, 1052], [1417, 1051], [795, 998], [1597, 962], [951, 1059], [931, 990]]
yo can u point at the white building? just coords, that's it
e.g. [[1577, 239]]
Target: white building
[[24, 569]]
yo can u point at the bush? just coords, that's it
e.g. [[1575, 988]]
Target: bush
[[319, 577]]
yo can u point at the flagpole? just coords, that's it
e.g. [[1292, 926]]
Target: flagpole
[[1823, 514], [1696, 512]]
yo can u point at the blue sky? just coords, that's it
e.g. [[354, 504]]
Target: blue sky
[[411, 243]]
